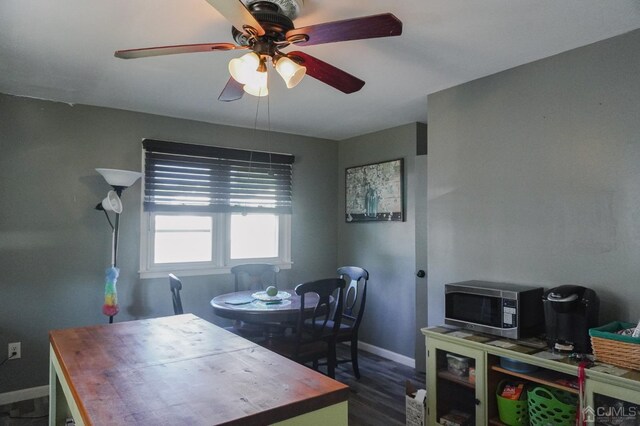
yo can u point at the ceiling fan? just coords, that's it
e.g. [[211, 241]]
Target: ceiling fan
[[265, 28]]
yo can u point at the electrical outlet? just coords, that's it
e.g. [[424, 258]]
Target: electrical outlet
[[14, 348]]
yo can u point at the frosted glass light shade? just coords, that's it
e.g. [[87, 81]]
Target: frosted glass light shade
[[123, 178], [256, 90], [290, 71], [257, 86], [258, 79], [242, 69]]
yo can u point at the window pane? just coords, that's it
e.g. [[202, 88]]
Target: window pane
[[183, 239], [254, 236], [183, 223]]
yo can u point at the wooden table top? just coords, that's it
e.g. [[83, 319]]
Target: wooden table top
[[257, 311], [184, 370]]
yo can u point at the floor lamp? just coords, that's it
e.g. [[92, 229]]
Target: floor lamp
[[119, 181]]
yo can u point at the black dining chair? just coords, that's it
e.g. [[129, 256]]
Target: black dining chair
[[175, 285], [351, 315], [314, 337], [255, 276]]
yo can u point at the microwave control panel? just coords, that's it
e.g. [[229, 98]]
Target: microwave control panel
[[509, 313]]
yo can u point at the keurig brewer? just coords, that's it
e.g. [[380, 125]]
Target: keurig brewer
[[569, 312]]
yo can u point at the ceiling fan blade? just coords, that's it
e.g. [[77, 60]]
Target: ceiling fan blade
[[172, 50], [232, 91], [384, 25], [237, 14], [327, 74]]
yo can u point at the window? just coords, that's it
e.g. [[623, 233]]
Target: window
[[253, 236], [206, 208], [180, 239]]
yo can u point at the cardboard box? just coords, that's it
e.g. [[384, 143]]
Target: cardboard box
[[415, 405]]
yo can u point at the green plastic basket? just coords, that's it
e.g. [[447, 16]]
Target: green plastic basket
[[551, 407], [512, 412]]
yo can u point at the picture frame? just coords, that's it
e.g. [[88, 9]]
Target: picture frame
[[375, 192]]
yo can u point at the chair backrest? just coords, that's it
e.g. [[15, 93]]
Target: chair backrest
[[255, 276], [317, 325], [175, 285], [355, 295]]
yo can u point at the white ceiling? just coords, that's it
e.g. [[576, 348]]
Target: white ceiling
[[63, 50]]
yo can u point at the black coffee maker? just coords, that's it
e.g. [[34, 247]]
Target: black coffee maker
[[569, 312]]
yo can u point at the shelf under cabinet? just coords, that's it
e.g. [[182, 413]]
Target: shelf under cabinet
[[463, 381], [542, 376]]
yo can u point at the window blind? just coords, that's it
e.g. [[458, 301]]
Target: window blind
[[182, 177]]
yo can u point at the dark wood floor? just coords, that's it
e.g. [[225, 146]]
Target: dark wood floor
[[378, 397]]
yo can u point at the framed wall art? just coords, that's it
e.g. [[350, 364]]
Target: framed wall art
[[374, 192]]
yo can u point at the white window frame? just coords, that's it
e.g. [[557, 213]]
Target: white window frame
[[221, 262]]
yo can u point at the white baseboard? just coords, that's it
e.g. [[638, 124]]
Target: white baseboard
[[384, 353], [23, 394]]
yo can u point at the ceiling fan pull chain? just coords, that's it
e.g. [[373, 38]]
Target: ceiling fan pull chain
[[268, 118], [255, 121], [255, 131], [269, 133]]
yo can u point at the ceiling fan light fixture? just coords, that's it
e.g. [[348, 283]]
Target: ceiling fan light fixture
[[256, 90], [257, 79], [265, 27], [290, 71], [244, 68]]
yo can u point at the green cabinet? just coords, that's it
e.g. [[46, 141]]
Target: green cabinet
[[610, 404], [452, 375], [612, 395]]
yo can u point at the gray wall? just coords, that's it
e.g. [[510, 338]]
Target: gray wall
[[385, 249], [54, 247], [534, 177]]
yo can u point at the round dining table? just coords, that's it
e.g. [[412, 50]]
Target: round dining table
[[243, 306]]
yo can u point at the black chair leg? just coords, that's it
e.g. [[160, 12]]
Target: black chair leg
[[332, 361], [354, 357]]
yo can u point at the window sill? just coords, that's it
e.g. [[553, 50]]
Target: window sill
[[192, 272]]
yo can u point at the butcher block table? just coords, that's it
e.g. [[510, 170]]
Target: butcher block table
[[182, 370]]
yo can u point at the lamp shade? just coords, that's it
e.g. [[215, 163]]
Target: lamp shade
[[122, 178], [256, 90], [258, 79], [291, 72], [244, 68], [112, 203], [257, 86]]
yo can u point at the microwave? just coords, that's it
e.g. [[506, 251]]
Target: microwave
[[502, 309]]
